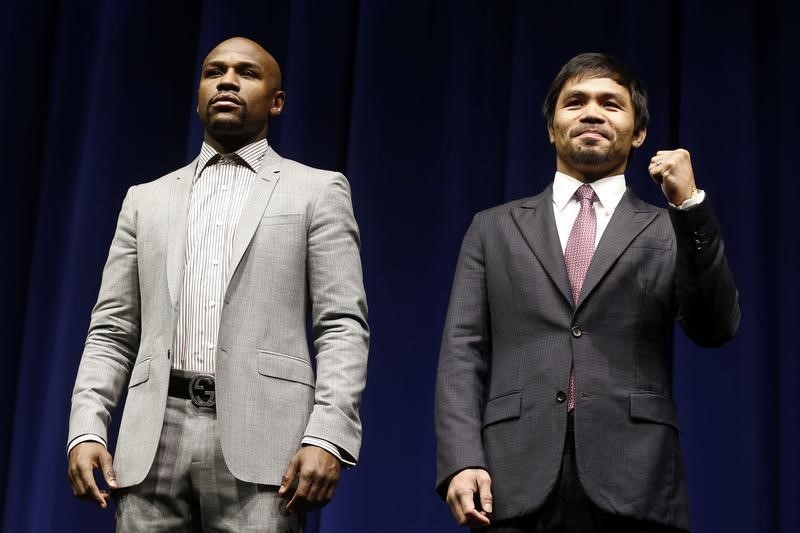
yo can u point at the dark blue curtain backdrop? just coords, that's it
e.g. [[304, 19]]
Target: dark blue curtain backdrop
[[431, 108]]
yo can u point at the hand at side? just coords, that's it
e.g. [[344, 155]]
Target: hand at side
[[83, 460], [467, 487], [316, 472]]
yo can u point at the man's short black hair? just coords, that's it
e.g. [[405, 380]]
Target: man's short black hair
[[594, 65]]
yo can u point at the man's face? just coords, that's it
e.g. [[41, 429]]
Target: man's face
[[239, 90], [592, 128]]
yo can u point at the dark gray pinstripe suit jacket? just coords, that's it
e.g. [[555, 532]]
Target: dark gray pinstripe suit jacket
[[512, 333]]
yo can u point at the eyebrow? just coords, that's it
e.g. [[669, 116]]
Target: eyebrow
[[238, 65], [603, 95]]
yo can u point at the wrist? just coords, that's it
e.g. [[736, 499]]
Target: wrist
[[687, 195]]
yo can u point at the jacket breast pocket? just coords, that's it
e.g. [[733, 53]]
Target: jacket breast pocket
[[286, 367], [505, 407], [651, 242], [279, 220], [140, 373]]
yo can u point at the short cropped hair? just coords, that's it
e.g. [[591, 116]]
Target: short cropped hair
[[594, 65]]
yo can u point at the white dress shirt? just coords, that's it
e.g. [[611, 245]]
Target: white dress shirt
[[609, 192]]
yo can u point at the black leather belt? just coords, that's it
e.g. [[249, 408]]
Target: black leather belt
[[200, 388]]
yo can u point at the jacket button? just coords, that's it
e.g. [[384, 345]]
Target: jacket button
[[561, 396], [576, 331]]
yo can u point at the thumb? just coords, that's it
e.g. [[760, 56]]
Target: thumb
[[288, 476], [107, 467]]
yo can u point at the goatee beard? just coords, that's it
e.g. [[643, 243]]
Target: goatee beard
[[222, 126], [591, 157]]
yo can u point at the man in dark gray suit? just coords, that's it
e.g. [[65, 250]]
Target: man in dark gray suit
[[214, 272], [554, 408]]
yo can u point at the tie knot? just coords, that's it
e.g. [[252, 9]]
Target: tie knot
[[585, 192]]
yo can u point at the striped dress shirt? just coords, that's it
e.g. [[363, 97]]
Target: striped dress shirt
[[219, 192]]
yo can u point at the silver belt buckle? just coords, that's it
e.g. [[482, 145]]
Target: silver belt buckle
[[202, 390]]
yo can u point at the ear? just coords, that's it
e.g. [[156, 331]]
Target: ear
[[278, 102], [638, 137], [550, 134]]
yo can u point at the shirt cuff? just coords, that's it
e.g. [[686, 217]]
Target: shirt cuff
[[87, 437], [698, 196], [329, 447]]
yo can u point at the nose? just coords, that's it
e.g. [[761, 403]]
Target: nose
[[228, 81], [591, 114]]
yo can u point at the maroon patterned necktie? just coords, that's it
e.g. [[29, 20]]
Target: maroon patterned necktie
[[578, 255]]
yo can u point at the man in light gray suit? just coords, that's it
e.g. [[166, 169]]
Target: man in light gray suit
[[202, 317], [554, 408]]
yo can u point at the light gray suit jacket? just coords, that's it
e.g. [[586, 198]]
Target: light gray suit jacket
[[295, 250], [513, 332]]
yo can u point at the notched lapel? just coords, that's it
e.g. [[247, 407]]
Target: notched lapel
[[536, 221], [630, 218], [253, 210], [178, 212]]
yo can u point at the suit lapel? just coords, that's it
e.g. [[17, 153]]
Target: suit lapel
[[181, 188], [253, 210], [536, 221], [630, 218]]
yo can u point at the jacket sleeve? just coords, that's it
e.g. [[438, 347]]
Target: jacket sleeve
[[339, 318], [708, 301], [113, 338], [463, 365]]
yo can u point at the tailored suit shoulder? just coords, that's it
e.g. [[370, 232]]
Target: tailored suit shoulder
[[295, 256], [513, 332]]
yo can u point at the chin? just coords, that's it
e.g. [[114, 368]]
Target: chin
[[591, 157], [225, 126]]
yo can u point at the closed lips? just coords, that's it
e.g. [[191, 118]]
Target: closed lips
[[591, 131], [226, 98]]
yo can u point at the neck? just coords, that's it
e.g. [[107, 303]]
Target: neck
[[589, 173], [229, 144]]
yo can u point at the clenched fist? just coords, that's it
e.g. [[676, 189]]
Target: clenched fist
[[672, 169]]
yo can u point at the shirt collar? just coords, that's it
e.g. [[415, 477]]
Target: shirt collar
[[249, 156], [609, 190]]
